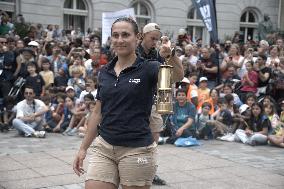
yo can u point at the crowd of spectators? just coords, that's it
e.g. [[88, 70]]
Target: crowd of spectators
[[231, 91]]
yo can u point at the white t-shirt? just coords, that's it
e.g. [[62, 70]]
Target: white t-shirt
[[83, 93], [24, 109]]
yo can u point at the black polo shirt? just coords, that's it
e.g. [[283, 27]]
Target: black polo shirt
[[126, 102]]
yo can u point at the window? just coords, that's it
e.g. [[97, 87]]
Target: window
[[75, 14], [9, 6], [248, 25], [142, 13], [195, 26]]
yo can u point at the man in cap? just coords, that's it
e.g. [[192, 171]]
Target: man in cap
[[34, 46], [148, 50]]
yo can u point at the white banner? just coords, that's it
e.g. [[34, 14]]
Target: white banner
[[109, 17]]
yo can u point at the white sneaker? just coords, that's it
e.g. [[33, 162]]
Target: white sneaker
[[39, 134]]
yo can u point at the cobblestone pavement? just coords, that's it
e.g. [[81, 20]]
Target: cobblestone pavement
[[27, 163]]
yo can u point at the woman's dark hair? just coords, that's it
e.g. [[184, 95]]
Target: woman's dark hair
[[89, 96], [259, 105], [211, 90], [181, 90], [130, 21]]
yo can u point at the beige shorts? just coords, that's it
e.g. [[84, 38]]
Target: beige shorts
[[122, 165], [156, 121]]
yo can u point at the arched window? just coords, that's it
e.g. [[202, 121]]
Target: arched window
[[142, 12], [248, 25], [75, 14], [195, 26]]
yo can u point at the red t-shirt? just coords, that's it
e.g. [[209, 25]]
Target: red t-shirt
[[253, 76]]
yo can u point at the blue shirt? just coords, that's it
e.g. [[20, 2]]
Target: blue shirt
[[182, 113], [126, 102]]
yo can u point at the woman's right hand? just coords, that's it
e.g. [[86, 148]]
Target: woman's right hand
[[78, 162]]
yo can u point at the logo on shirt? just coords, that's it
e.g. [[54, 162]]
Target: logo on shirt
[[134, 81]]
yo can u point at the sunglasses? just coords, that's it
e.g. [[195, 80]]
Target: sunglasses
[[28, 93]]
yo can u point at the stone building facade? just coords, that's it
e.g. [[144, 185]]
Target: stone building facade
[[242, 15]]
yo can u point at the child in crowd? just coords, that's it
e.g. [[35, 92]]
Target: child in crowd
[[68, 110], [91, 83], [277, 136], [249, 80], [270, 112], [203, 130], [228, 89], [76, 81], [46, 99], [224, 120], [242, 117], [8, 113], [77, 63], [60, 81], [203, 92], [82, 130], [256, 131], [35, 80], [46, 73], [192, 92], [78, 117], [250, 99], [182, 118], [56, 111]]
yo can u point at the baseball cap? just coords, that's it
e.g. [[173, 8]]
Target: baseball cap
[[69, 87], [181, 31], [185, 80], [151, 27], [203, 79], [243, 108], [33, 43]]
